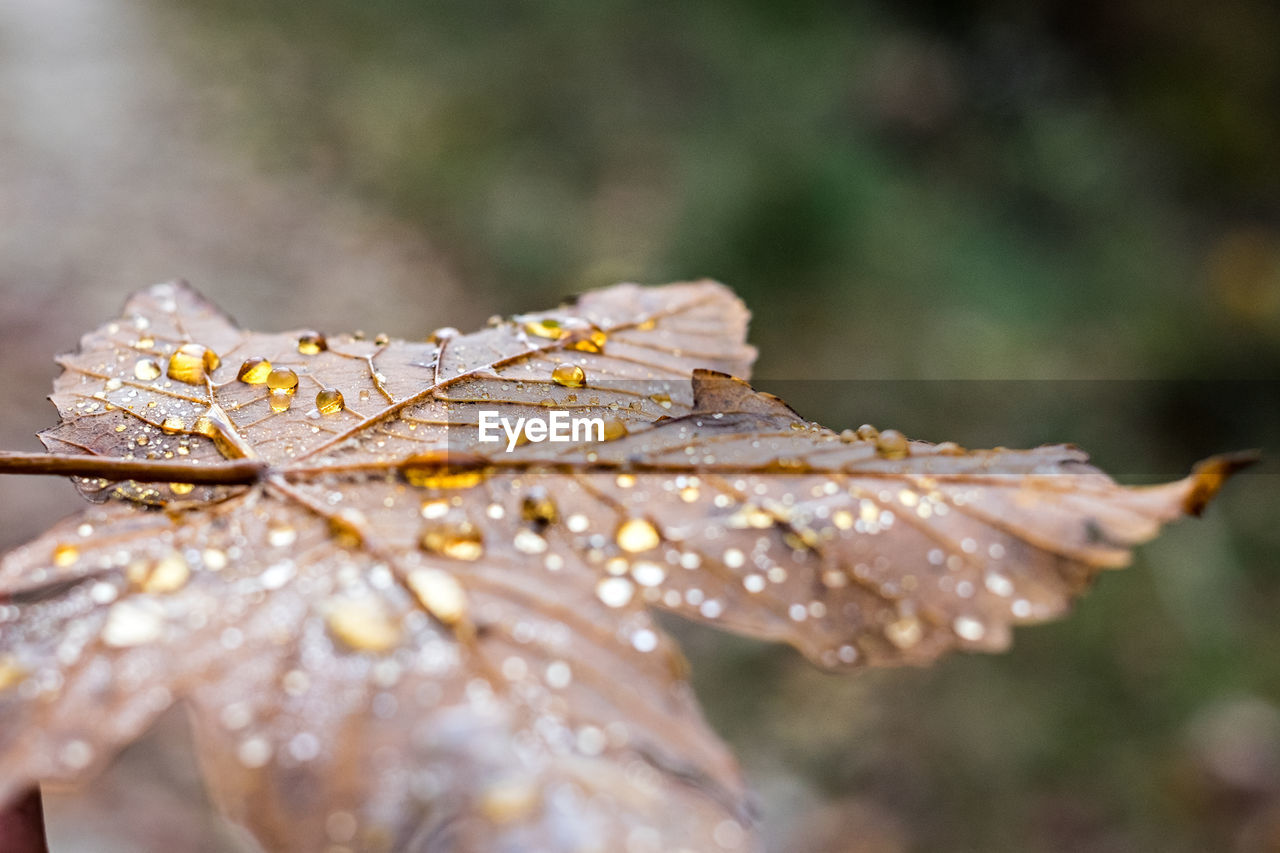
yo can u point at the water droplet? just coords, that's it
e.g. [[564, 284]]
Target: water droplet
[[77, 754], [133, 622], [433, 508], [637, 534], [172, 425], [459, 542], [381, 339], [146, 369], [329, 401], [168, 574], [968, 628], [282, 379], [644, 640], [528, 542], [545, 327], [867, 432], [433, 470], [281, 401], [182, 488], [569, 375], [646, 573], [65, 555], [191, 363], [614, 429], [11, 673], [614, 592], [538, 508], [892, 444], [281, 534], [363, 625], [440, 593], [312, 343], [509, 801], [254, 752], [254, 371], [625, 481], [214, 560], [442, 334], [587, 340], [558, 675], [905, 632]]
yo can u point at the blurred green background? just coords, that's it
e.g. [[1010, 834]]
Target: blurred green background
[[947, 191]]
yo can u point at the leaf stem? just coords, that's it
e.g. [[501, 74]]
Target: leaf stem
[[238, 472]]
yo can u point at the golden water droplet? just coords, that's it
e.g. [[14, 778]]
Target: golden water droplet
[[329, 401], [282, 379], [281, 534], [569, 375], [905, 632], [172, 425], [146, 369], [648, 325], [382, 339], [440, 593], [867, 432], [459, 542], [588, 340], [636, 535], [545, 327], [215, 425], [182, 488], [625, 481], [432, 471], [10, 673], [254, 371], [435, 508], [168, 574], [363, 625], [191, 363], [662, 399], [312, 343], [509, 801], [538, 508], [65, 555], [281, 401], [614, 429], [892, 444], [142, 441], [689, 494], [949, 448]]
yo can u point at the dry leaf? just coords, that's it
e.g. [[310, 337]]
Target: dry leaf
[[394, 635]]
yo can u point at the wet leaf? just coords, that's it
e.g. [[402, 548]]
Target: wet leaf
[[393, 634]]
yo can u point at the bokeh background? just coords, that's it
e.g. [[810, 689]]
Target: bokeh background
[[1045, 191]]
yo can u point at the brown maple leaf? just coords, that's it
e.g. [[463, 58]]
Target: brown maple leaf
[[391, 633]]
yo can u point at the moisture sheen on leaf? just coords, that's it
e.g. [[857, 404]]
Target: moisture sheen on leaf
[[391, 634]]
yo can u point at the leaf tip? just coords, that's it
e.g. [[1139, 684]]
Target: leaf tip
[[1209, 475]]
